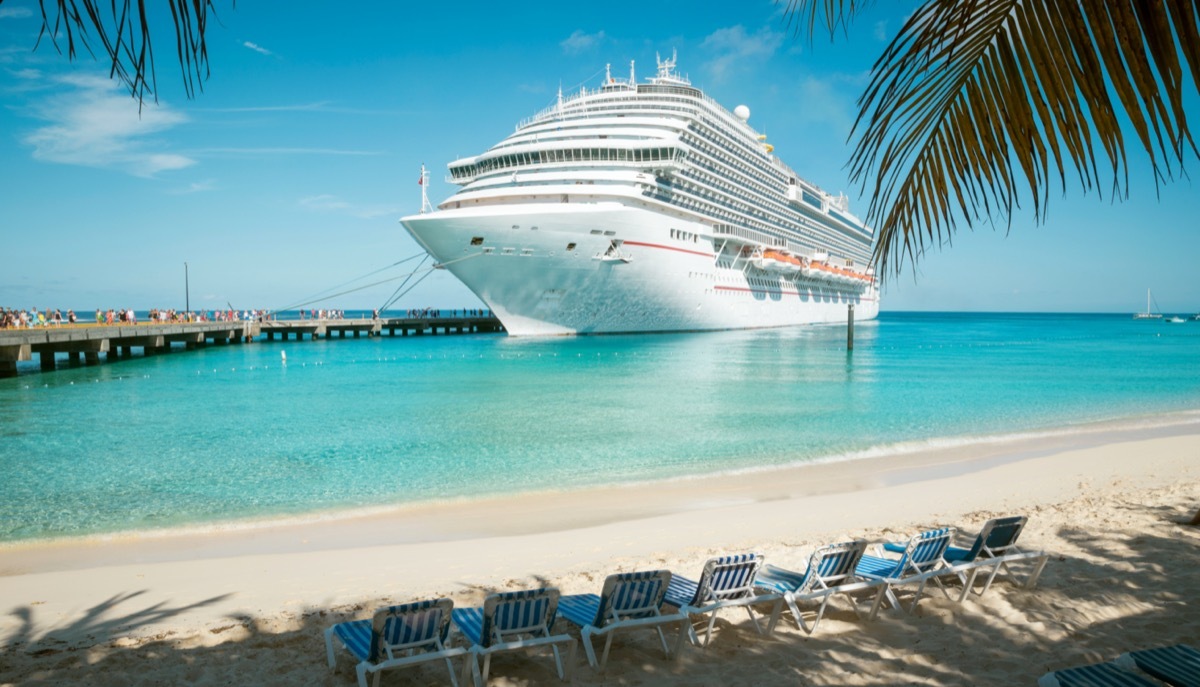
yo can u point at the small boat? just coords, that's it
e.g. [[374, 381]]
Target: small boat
[[1147, 315], [1175, 319]]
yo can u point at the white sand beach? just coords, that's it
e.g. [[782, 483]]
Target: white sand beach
[[250, 604]]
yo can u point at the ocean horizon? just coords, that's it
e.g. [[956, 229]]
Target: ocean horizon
[[230, 434]]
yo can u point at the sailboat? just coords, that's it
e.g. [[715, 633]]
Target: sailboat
[[1147, 315]]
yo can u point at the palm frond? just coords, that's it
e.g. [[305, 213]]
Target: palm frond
[[124, 38], [978, 104], [803, 15]]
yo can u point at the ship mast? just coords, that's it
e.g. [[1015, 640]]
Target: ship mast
[[424, 184]]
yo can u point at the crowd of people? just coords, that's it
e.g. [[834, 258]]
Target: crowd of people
[[422, 313], [14, 318]]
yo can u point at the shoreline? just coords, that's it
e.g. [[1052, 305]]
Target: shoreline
[[1102, 507], [899, 463]]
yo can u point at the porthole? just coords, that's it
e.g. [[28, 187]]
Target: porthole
[[477, 241]]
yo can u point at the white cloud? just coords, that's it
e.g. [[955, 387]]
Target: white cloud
[[15, 13], [283, 151], [732, 46], [881, 31], [579, 41], [195, 187], [257, 48], [330, 203], [830, 100], [95, 124]]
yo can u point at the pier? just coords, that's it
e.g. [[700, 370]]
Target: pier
[[84, 344], [392, 326]]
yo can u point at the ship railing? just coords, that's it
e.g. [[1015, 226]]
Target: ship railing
[[745, 235]]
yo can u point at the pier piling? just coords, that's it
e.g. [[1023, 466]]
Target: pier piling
[[850, 327]]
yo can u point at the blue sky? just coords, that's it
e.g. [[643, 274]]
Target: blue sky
[[286, 176]]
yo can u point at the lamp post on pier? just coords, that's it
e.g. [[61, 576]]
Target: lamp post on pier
[[187, 292]]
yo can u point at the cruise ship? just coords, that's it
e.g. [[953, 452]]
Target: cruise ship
[[646, 207]]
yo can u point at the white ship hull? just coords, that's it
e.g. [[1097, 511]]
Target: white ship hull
[[664, 277]]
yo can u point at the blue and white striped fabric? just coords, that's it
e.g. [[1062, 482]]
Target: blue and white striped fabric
[[1178, 666], [1098, 675], [997, 537], [923, 553], [525, 611], [627, 601], [624, 596], [828, 567], [510, 621], [724, 578], [418, 625]]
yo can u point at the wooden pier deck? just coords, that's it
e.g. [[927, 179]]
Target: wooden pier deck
[[84, 344]]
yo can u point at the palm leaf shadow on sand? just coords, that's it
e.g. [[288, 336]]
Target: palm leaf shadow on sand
[[1109, 586]]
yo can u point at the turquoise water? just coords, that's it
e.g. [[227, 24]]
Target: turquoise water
[[228, 433]]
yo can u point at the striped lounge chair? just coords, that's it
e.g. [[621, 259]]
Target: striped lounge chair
[[725, 581], [922, 560], [627, 601], [397, 636], [995, 548], [830, 572], [509, 621], [1177, 666], [1096, 675]]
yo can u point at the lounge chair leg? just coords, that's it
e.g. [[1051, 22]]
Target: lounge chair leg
[[586, 634], [607, 646], [712, 620], [1037, 572], [470, 671], [450, 670], [361, 669], [753, 619], [662, 637], [487, 667], [558, 663], [329, 649], [685, 627]]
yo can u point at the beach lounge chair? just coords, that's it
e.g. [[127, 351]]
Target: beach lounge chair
[[830, 572], [922, 560], [509, 621], [994, 549], [1178, 666], [1095, 675], [397, 636], [725, 581], [627, 601]]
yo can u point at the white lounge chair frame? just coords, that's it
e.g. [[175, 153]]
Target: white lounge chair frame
[[628, 601], [921, 562], [726, 581], [515, 621], [427, 620], [830, 572], [997, 550]]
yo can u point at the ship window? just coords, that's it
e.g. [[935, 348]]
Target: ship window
[[570, 246], [477, 241], [516, 226], [596, 232]]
